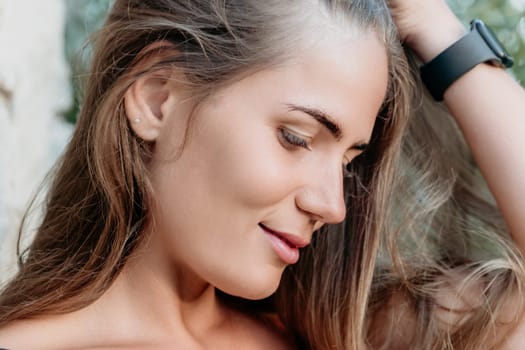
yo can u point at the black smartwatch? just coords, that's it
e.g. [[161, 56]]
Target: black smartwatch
[[478, 46]]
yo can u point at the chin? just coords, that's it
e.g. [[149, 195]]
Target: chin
[[253, 288]]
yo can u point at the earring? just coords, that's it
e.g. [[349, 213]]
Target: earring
[[136, 120]]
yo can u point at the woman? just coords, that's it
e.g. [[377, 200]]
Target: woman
[[212, 142]]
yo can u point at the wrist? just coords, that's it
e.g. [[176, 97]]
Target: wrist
[[480, 45]]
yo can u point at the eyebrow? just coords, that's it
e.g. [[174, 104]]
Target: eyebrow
[[328, 122]]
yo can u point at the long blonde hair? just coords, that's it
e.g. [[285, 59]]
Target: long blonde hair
[[99, 198]]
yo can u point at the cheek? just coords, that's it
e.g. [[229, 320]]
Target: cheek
[[250, 167], [211, 200]]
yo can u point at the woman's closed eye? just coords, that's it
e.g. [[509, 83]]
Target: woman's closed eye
[[347, 170], [291, 140]]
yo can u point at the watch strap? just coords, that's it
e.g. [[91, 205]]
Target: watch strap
[[451, 64]]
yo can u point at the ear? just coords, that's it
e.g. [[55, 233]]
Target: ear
[[143, 104]]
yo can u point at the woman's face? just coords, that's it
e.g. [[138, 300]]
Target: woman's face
[[262, 165]]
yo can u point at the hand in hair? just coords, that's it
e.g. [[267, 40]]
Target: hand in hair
[[427, 27]]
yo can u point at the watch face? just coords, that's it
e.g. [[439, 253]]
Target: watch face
[[492, 41]]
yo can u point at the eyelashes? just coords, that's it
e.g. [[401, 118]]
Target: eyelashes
[[292, 141], [347, 172]]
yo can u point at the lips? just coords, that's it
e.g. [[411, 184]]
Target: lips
[[285, 245], [291, 239]]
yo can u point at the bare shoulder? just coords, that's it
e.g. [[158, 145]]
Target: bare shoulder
[[76, 331], [31, 334], [64, 331]]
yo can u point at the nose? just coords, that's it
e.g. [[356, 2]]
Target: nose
[[322, 196]]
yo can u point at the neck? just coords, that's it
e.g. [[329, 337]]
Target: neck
[[154, 295]]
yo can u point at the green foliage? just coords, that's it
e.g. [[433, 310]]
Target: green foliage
[[506, 18]]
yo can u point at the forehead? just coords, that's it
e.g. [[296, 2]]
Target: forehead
[[345, 75]]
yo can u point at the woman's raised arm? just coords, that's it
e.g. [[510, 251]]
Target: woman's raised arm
[[488, 105]]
